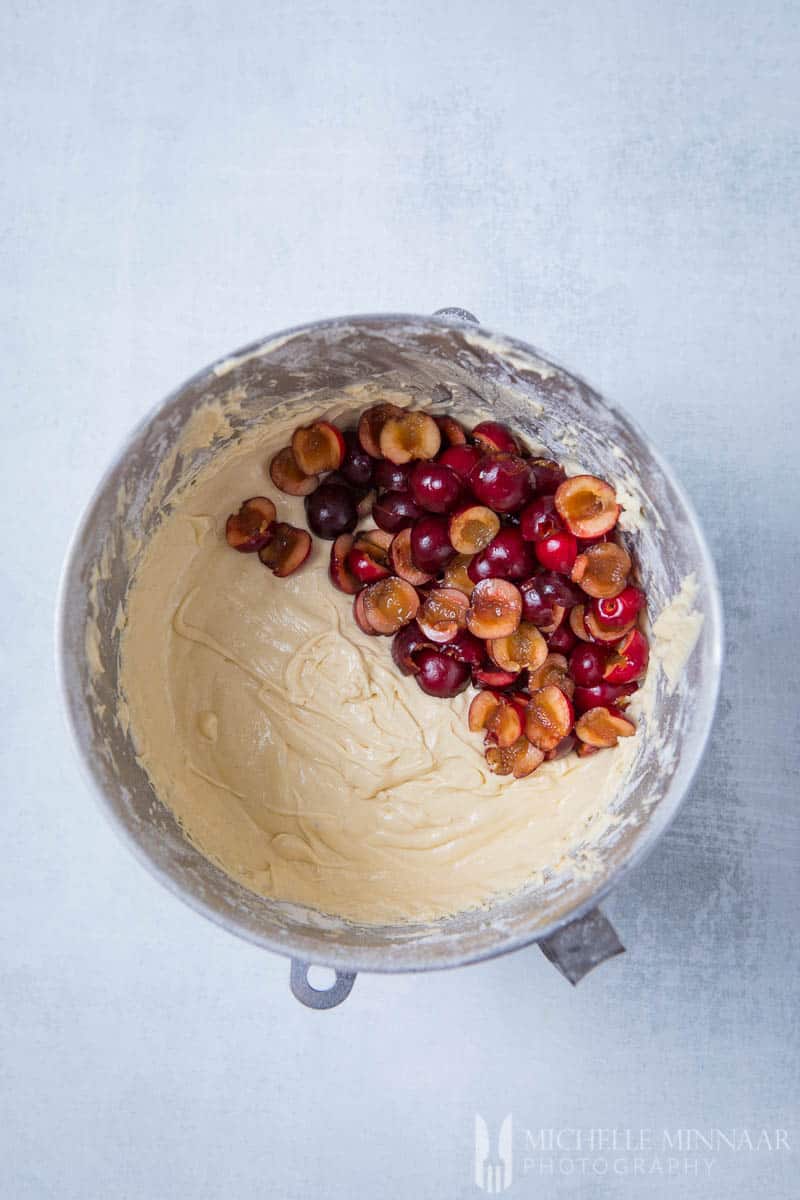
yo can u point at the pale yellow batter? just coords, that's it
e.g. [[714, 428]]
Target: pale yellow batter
[[294, 753]]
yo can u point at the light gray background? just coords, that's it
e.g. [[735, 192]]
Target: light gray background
[[617, 182]]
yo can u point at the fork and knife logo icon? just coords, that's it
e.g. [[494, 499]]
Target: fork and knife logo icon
[[493, 1165]]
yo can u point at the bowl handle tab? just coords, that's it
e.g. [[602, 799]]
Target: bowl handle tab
[[457, 314], [314, 997], [581, 945]]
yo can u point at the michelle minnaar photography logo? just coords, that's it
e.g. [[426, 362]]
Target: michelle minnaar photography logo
[[503, 1152]]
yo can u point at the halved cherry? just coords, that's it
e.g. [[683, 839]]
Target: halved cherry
[[371, 423], [596, 631], [518, 760], [340, 575], [402, 562], [524, 649], [287, 549], [493, 435], [549, 717], [546, 475], [559, 613], [618, 611], [460, 459], [557, 552], [473, 527], [552, 671], [411, 435], [491, 676], [602, 570], [251, 527], [577, 623], [498, 716], [360, 615], [452, 431], [496, 609], [603, 726], [584, 750], [443, 614], [390, 604], [587, 505], [564, 747], [405, 643], [368, 560], [603, 694], [628, 660], [287, 476], [318, 447], [456, 576], [366, 503], [439, 674]]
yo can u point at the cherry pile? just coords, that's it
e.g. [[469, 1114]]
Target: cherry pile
[[488, 566]]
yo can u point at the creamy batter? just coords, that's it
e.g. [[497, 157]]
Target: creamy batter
[[293, 752]]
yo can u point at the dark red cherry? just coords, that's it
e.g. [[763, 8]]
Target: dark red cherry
[[508, 556], [331, 510], [435, 487], [546, 475], [461, 459], [439, 674], [539, 519], [587, 664], [357, 466], [393, 477], [501, 482], [431, 549], [394, 511]]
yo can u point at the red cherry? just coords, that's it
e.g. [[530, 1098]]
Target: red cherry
[[601, 695], [436, 488], [501, 482], [431, 549], [620, 610], [466, 648], [557, 552], [587, 664], [539, 520], [394, 511], [508, 556], [461, 459], [628, 660], [439, 674], [393, 477], [546, 475], [562, 640]]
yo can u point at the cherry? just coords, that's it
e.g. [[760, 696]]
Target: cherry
[[562, 640], [546, 475], [357, 466], [493, 435], [394, 477], [619, 611], [331, 510], [394, 511], [431, 548], [508, 556], [601, 694], [587, 664], [557, 552], [405, 643], [436, 488], [466, 648], [628, 660], [461, 459], [543, 594], [501, 481], [439, 674], [539, 519]]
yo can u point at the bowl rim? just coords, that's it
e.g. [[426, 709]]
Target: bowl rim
[[399, 960]]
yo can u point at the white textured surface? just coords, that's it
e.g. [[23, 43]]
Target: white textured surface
[[615, 182]]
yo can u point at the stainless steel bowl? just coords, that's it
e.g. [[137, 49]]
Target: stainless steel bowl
[[468, 367]]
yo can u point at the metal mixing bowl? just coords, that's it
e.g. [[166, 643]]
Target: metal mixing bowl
[[466, 367]]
